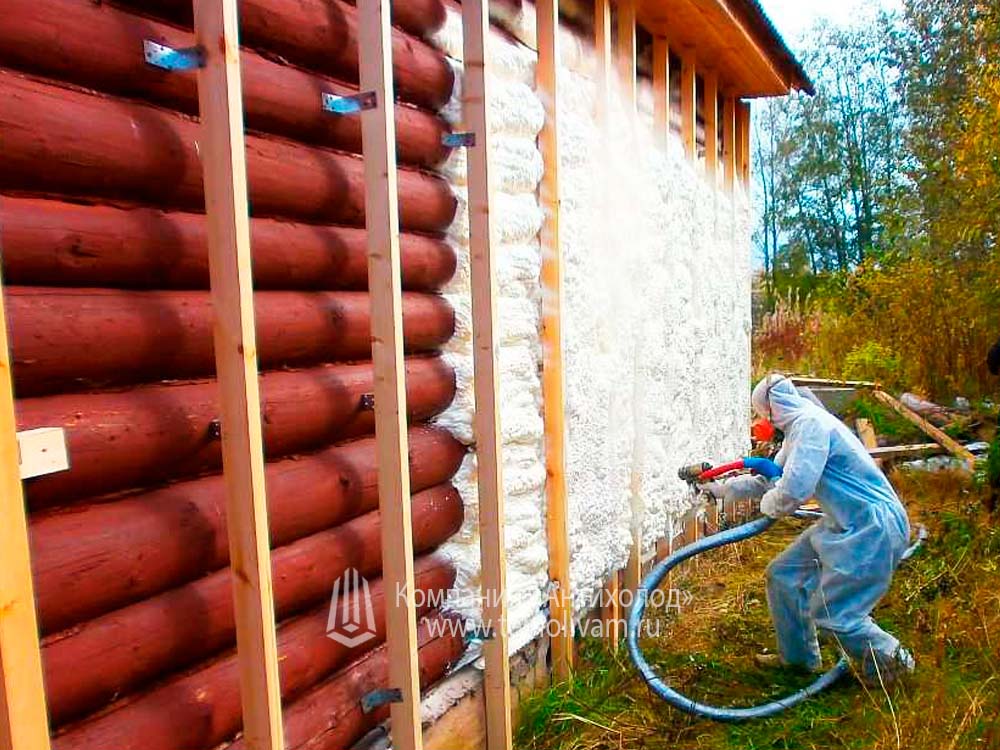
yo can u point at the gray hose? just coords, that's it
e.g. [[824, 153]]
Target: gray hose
[[657, 685]]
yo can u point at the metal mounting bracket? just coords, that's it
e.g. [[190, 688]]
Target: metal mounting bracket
[[479, 634], [349, 105], [380, 697], [459, 140], [168, 58]]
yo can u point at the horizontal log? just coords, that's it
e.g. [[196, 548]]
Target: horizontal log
[[144, 436], [200, 709], [420, 18], [322, 35], [90, 560], [329, 717], [50, 243], [98, 147], [112, 655], [276, 98], [65, 339]]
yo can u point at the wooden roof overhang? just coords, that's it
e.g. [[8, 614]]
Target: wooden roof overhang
[[732, 37]]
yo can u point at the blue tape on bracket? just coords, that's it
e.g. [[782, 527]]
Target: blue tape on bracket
[[349, 105], [381, 697], [459, 140], [168, 58]]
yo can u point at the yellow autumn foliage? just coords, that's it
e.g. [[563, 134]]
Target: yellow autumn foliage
[[921, 324]]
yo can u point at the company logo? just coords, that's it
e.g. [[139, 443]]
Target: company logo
[[351, 621]]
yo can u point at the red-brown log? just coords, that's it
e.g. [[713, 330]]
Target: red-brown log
[[421, 18], [80, 338], [87, 666], [93, 559], [50, 243], [329, 717], [200, 709], [418, 17], [144, 436], [276, 98], [95, 146], [322, 35]]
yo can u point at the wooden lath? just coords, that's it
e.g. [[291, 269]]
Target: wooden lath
[[486, 344], [554, 414], [223, 153], [661, 90], [711, 114], [729, 141], [611, 596], [940, 436], [378, 135], [689, 103], [24, 721]]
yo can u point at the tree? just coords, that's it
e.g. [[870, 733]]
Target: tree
[[832, 174], [950, 51]]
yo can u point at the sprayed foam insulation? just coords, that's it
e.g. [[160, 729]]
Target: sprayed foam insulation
[[656, 319], [516, 117], [656, 325]]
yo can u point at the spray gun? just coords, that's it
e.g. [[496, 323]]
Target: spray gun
[[705, 472], [697, 475], [691, 474]]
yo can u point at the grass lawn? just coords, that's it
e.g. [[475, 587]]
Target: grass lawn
[[944, 605]]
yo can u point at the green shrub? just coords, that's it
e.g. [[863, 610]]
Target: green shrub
[[872, 361]]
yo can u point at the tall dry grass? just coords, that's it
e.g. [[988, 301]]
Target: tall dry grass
[[919, 324]]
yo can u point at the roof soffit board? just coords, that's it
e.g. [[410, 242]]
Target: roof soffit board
[[720, 42]]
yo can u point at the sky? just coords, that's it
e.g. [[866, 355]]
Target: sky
[[794, 17]]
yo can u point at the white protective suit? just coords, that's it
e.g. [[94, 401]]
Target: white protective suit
[[835, 573]]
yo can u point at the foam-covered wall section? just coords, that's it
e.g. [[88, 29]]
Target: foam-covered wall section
[[656, 320]]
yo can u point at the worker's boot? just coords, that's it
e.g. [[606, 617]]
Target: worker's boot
[[879, 671], [768, 661], [774, 661]]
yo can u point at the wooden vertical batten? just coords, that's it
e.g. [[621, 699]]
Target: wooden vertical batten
[[743, 142], [611, 595], [661, 90], [602, 48], [378, 137], [475, 109], [553, 383], [729, 141], [23, 716], [626, 56], [223, 153], [626, 51], [711, 108], [689, 104]]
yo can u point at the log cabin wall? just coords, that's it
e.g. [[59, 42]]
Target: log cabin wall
[[105, 262]]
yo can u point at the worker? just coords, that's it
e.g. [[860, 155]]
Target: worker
[[835, 573]]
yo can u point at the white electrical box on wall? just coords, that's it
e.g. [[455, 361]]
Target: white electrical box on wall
[[42, 451]]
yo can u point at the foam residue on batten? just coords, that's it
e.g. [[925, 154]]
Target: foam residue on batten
[[516, 164]]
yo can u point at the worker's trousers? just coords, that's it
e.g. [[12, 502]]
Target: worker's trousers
[[826, 580]]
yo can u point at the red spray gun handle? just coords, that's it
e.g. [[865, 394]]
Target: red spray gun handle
[[706, 472]]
